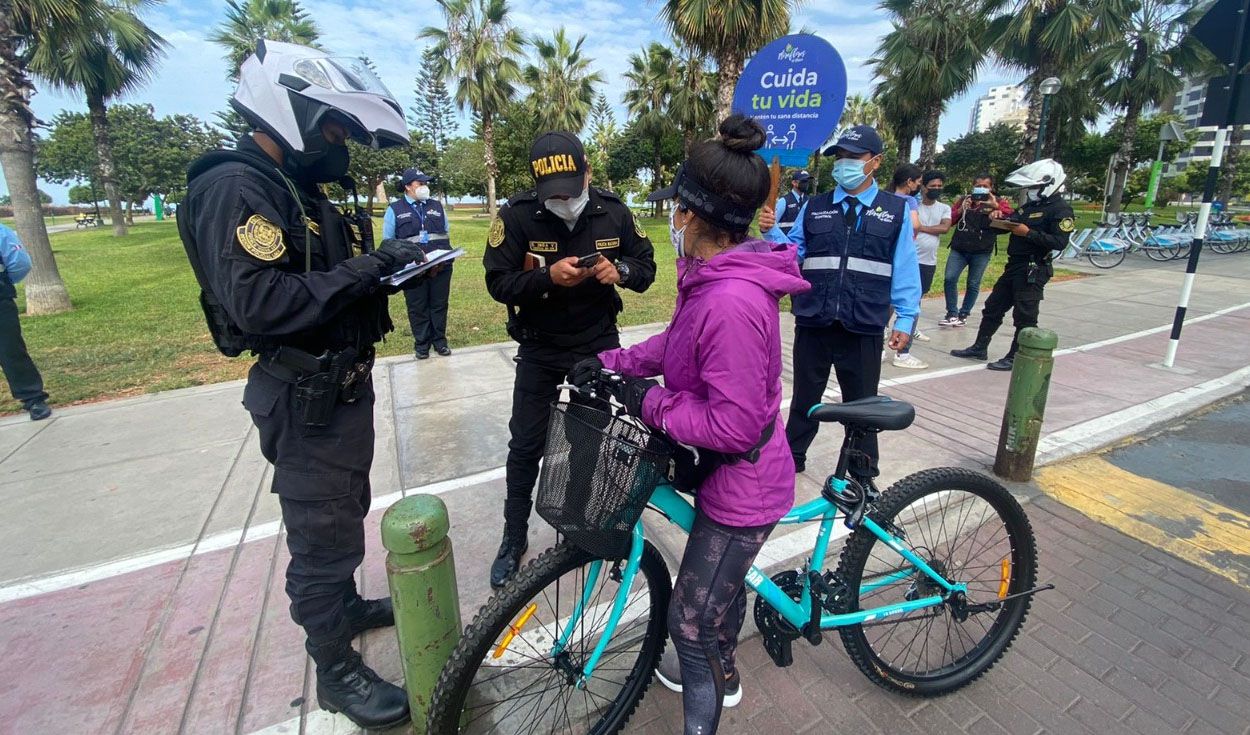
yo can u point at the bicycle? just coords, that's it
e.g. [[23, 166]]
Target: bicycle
[[570, 643]]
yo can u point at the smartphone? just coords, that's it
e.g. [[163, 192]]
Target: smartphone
[[589, 261]]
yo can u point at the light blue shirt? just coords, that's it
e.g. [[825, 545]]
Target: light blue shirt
[[905, 279], [16, 259], [388, 219]]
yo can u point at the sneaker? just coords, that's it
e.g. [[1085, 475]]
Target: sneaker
[[909, 361], [885, 355], [920, 336], [960, 321], [669, 674], [949, 321]]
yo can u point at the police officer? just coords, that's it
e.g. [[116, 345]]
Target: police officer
[[1042, 227], [555, 255], [416, 215], [855, 246], [279, 276], [789, 205]]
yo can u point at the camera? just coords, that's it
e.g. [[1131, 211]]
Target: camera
[[979, 198]]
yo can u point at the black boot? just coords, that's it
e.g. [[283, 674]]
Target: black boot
[[508, 560], [345, 684], [365, 614], [978, 350], [1004, 364]]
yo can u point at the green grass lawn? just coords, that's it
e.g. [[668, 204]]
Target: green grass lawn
[[137, 326]]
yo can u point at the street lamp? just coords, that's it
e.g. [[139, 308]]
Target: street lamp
[[1048, 88]]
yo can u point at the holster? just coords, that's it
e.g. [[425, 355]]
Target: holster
[[321, 381]]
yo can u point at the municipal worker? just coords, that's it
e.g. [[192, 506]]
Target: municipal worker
[[279, 276], [789, 205], [855, 246], [559, 311], [24, 379], [417, 215], [1042, 227]]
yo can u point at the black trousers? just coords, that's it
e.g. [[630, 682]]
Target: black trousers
[[321, 477], [25, 382], [856, 359], [1013, 291], [427, 310], [539, 370]]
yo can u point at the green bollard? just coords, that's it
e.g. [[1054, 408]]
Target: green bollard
[[1026, 404], [422, 576]]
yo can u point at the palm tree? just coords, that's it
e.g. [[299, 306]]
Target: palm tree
[[479, 50], [651, 87], [562, 86], [728, 31], [931, 56], [21, 22], [1045, 38], [603, 134], [901, 117], [109, 51], [693, 102], [248, 21], [1150, 49]]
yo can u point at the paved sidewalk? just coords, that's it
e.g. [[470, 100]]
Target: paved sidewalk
[[142, 553]]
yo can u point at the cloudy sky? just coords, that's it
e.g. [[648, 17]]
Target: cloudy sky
[[192, 78]]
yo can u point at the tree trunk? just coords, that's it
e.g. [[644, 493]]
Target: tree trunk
[[656, 168], [130, 214], [45, 291], [492, 166], [1228, 166], [904, 144], [928, 139], [729, 65], [104, 151], [1125, 161], [1033, 121]]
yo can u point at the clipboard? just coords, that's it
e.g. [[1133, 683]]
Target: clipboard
[[433, 258]]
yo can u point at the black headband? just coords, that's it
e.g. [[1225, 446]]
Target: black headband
[[709, 205]]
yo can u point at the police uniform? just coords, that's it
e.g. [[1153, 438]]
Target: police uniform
[[266, 251], [555, 326], [1050, 221], [426, 302]]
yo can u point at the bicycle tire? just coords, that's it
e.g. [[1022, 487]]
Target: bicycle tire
[[1007, 621], [495, 617], [1160, 253], [1106, 258]]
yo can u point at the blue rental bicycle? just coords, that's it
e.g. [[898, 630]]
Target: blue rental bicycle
[[932, 586]]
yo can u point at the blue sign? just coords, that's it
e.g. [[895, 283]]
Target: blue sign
[[796, 88]]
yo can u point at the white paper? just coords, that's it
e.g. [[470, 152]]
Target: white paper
[[432, 259]]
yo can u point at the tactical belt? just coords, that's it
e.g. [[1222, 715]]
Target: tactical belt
[[522, 333], [321, 381]]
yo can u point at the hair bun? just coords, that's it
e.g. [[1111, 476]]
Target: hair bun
[[741, 134]]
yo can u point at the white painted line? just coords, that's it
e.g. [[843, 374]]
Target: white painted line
[[225, 540], [316, 722]]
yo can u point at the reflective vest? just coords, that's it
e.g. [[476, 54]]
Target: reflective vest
[[411, 218], [790, 214], [850, 271]]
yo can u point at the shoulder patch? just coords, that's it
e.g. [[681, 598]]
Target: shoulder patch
[[495, 238], [531, 195], [607, 194], [1067, 224], [638, 227], [261, 238]]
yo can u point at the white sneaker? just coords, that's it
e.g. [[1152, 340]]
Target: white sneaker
[[950, 321], [920, 336], [909, 361]]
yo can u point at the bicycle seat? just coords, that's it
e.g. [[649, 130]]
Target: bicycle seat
[[878, 413]]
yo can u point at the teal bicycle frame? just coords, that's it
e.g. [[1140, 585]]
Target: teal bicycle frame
[[678, 510]]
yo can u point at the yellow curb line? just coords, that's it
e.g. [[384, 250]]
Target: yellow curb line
[[1181, 523]]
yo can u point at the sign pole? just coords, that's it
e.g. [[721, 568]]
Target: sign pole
[[1208, 192]]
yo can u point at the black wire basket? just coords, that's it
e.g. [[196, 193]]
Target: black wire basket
[[598, 472]]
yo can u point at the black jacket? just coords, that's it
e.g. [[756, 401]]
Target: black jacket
[[1050, 222]]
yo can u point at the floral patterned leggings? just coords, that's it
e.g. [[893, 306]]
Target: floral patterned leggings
[[708, 608]]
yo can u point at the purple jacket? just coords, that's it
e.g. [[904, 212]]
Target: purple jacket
[[721, 362]]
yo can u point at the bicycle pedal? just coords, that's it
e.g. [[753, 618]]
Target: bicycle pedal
[[780, 650]]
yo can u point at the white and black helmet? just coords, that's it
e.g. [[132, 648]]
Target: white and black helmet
[[287, 90], [1046, 175]]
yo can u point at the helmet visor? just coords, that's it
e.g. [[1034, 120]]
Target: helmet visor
[[341, 74]]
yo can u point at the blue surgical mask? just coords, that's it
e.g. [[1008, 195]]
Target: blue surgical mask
[[980, 190], [849, 172]]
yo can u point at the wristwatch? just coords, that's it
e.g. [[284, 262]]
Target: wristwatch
[[623, 269]]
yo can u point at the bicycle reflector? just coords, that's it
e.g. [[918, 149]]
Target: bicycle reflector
[[514, 629], [1004, 579]]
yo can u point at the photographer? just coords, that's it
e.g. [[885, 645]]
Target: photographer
[[972, 246]]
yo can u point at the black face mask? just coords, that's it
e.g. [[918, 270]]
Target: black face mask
[[802, 188], [329, 166], [932, 193]]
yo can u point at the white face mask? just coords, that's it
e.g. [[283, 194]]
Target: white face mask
[[569, 209], [1032, 195], [422, 193], [677, 236]]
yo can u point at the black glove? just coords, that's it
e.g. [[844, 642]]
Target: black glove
[[394, 255], [631, 392], [585, 371]]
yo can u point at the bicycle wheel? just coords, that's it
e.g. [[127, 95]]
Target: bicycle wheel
[[1160, 251], [1109, 257], [502, 677], [970, 530]]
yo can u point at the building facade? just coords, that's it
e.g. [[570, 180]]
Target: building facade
[[1003, 104], [1188, 104]]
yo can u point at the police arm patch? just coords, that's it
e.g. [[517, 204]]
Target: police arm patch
[[1067, 224], [261, 238], [495, 238], [638, 228]]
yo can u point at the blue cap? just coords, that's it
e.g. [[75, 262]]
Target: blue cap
[[859, 139], [800, 176], [414, 174]]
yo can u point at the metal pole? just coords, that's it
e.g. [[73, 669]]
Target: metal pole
[[1026, 404], [1208, 191]]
